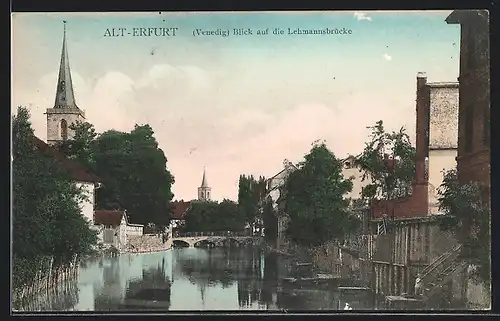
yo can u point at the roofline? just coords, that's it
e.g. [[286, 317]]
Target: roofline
[[443, 84], [458, 16], [183, 213], [284, 169], [427, 218], [63, 157], [349, 157]]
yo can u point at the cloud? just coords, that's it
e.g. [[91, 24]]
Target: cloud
[[232, 123], [290, 135], [361, 16], [387, 57]]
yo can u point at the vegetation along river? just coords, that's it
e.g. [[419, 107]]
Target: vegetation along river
[[191, 279]]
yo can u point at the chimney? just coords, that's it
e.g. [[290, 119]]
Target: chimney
[[422, 127]]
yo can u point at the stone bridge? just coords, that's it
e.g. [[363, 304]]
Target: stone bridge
[[194, 239]]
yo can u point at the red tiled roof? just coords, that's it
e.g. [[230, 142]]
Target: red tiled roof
[[179, 209], [75, 170], [108, 217]]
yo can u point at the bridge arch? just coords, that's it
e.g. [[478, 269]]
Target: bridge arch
[[205, 243], [180, 243]]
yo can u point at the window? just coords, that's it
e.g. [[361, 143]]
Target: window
[[64, 129], [108, 236], [469, 128]]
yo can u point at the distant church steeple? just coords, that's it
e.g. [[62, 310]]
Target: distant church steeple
[[204, 190], [65, 111]]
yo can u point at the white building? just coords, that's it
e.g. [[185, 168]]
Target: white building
[[350, 170], [442, 99], [274, 191], [114, 228]]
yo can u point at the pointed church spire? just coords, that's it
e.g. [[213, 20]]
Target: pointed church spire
[[65, 97], [204, 180]]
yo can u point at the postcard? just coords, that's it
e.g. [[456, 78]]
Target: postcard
[[277, 161]]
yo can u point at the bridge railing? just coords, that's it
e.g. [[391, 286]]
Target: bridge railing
[[220, 233]]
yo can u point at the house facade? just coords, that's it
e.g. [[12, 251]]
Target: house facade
[[436, 150], [179, 209], [350, 170], [114, 229], [275, 192], [473, 161], [440, 101]]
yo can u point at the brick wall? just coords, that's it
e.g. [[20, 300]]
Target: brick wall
[[418, 203], [412, 206], [474, 162]]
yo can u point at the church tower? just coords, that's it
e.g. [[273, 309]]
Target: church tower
[[65, 111], [204, 190]]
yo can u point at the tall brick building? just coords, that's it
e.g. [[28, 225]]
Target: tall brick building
[[436, 149], [473, 161]]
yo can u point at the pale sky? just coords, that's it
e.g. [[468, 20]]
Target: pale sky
[[238, 104]]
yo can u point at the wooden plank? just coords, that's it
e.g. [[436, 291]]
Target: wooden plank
[[353, 288], [397, 298]]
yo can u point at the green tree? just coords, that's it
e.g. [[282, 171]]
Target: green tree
[[250, 194], [47, 220], [132, 167], [270, 221], [232, 218], [388, 180], [314, 198], [469, 217], [202, 217], [81, 147], [212, 217]]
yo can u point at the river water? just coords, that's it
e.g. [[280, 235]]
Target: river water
[[191, 279]]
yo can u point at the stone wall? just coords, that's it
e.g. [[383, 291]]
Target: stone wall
[[147, 243], [443, 115], [54, 118]]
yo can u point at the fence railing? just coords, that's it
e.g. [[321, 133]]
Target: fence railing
[[440, 264], [220, 233]]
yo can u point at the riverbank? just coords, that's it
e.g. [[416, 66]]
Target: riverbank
[[47, 278], [108, 284]]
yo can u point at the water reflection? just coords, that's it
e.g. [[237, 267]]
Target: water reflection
[[150, 292], [191, 279], [63, 297]]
